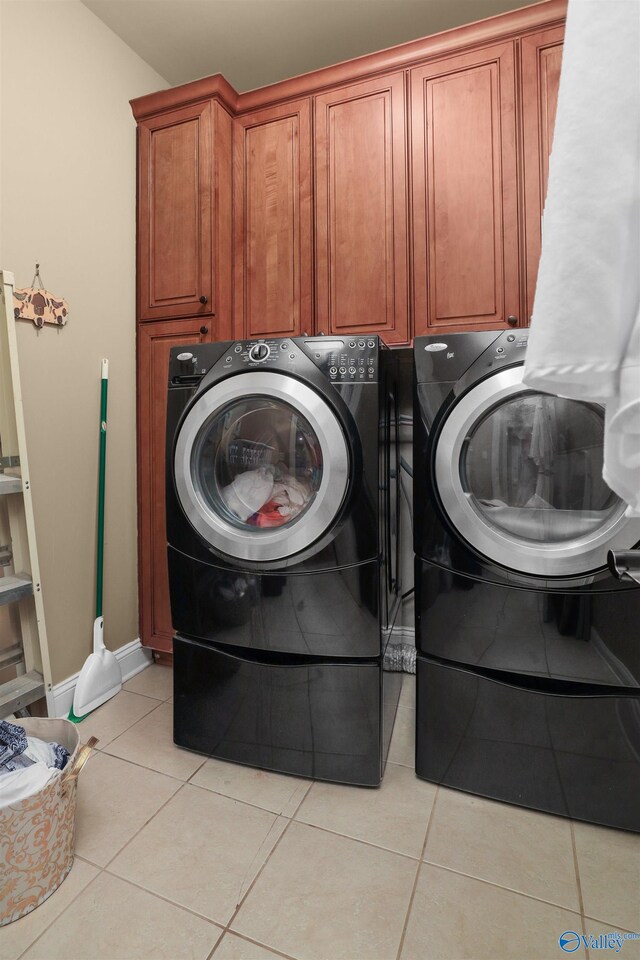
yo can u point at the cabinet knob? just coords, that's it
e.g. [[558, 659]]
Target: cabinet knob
[[512, 321], [204, 329], [203, 299]]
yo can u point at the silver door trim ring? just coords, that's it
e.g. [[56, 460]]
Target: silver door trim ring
[[267, 543], [580, 555]]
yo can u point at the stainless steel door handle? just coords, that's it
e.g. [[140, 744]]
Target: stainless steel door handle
[[625, 564]]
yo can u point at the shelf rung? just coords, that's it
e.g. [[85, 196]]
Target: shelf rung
[[15, 588], [11, 656], [21, 692], [10, 484]]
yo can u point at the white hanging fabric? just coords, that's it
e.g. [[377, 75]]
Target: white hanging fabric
[[585, 331]]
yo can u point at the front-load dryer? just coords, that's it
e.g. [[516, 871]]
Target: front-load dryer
[[283, 568], [528, 667]]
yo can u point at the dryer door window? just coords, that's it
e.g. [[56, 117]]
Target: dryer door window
[[520, 475], [261, 466]]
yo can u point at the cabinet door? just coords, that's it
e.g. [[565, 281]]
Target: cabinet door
[[361, 210], [154, 343], [541, 57], [465, 203], [272, 200], [175, 214]]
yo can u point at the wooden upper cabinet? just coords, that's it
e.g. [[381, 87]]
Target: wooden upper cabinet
[[184, 214], [465, 199], [361, 210], [541, 59], [273, 241], [154, 345]]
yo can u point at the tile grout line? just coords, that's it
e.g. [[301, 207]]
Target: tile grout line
[[141, 766], [367, 843], [608, 923], [159, 703], [149, 696], [164, 899], [223, 928], [576, 868], [242, 900], [145, 824], [226, 796], [290, 820], [415, 882], [246, 939], [62, 912], [498, 886], [91, 863], [197, 770]]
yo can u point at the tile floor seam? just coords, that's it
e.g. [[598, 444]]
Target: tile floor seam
[[130, 727], [302, 800], [584, 933], [145, 824], [91, 863], [415, 881], [243, 936], [175, 902], [141, 766], [197, 768], [499, 886], [160, 896], [216, 945], [576, 867], [609, 923], [366, 843], [62, 912], [247, 803], [255, 879], [147, 695]]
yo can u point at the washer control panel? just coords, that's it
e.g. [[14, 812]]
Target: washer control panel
[[342, 360]]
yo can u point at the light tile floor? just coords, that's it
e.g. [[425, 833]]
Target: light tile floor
[[180, 856]]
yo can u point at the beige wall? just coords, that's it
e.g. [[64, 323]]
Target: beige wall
[[67, 200]]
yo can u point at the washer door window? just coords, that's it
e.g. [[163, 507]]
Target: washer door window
[[261, 466], [519, 474]]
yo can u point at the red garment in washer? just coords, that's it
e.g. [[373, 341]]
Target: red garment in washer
[[269, 515]]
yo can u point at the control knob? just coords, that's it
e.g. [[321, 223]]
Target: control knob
[[259, 352]]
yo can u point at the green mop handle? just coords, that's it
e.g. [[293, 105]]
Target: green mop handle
[[101, 484]]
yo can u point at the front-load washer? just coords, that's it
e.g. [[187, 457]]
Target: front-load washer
[[528, 666], [282, 505]]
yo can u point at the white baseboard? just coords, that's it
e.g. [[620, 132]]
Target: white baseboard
[[132, 657]]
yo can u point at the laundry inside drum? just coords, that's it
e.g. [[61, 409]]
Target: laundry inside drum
[[257, 463]]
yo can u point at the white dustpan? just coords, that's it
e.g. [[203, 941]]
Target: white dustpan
[[101, 677]]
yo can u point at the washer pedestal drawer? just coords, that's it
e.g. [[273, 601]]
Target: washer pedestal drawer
[[571, 752], [302, 716]]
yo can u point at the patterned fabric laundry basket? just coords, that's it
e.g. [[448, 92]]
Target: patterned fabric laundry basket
[[37, 833]]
